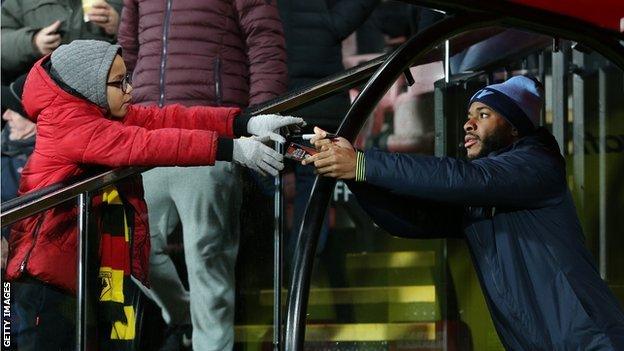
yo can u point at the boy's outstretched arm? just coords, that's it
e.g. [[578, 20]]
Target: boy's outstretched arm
[[91, 139], [226, 121], [223, 120]]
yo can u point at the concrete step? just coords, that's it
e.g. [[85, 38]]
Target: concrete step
[[375, 313], [383, 277], [356, 332], [388, 260], [361, 295]]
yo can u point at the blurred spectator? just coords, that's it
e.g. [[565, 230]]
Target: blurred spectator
[[18, 138], [33, 28], [314, 31], [207, 53], [402, 120], [412, 123], [391, 24], [498, 48], [18, 141]]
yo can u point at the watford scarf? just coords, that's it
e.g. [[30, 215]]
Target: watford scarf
[[116, 307]]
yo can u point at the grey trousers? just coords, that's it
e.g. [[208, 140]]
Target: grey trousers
[[207, 201]]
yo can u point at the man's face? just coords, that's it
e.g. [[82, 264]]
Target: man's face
[[118, 100], [21, 127], [486, 131]]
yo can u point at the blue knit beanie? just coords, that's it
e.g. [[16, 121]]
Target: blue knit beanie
[[519, 100]]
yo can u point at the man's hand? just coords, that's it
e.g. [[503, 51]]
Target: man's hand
[[268, 125], [47, 39], [336, 159], [105, 16]]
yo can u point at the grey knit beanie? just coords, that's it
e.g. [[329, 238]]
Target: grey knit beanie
[[84, 65]]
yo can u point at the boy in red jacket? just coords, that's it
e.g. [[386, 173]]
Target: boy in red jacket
[[80, 98]]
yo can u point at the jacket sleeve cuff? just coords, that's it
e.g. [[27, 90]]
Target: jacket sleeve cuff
[[225, 148], [240, 125], [360, 167]]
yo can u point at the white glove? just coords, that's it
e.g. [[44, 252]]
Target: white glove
[[267, 125], [252, 153]]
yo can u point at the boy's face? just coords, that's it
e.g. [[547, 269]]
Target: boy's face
[[118, 100]]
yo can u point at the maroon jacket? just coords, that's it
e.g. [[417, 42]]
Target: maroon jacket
[[73, 137], [204, 52]]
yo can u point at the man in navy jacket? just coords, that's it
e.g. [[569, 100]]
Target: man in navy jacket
[[511, 203]]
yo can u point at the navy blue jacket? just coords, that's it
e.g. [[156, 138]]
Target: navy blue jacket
[[518, 217]]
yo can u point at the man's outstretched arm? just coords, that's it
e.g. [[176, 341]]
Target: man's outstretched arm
[[522, 178]]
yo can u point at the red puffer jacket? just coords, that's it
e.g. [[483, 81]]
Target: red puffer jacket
[[73, 137], [204, 52]]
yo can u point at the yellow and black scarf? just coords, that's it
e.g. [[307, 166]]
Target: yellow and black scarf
[[116, 307]]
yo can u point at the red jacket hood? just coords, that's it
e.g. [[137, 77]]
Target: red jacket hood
[[40, 91]]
